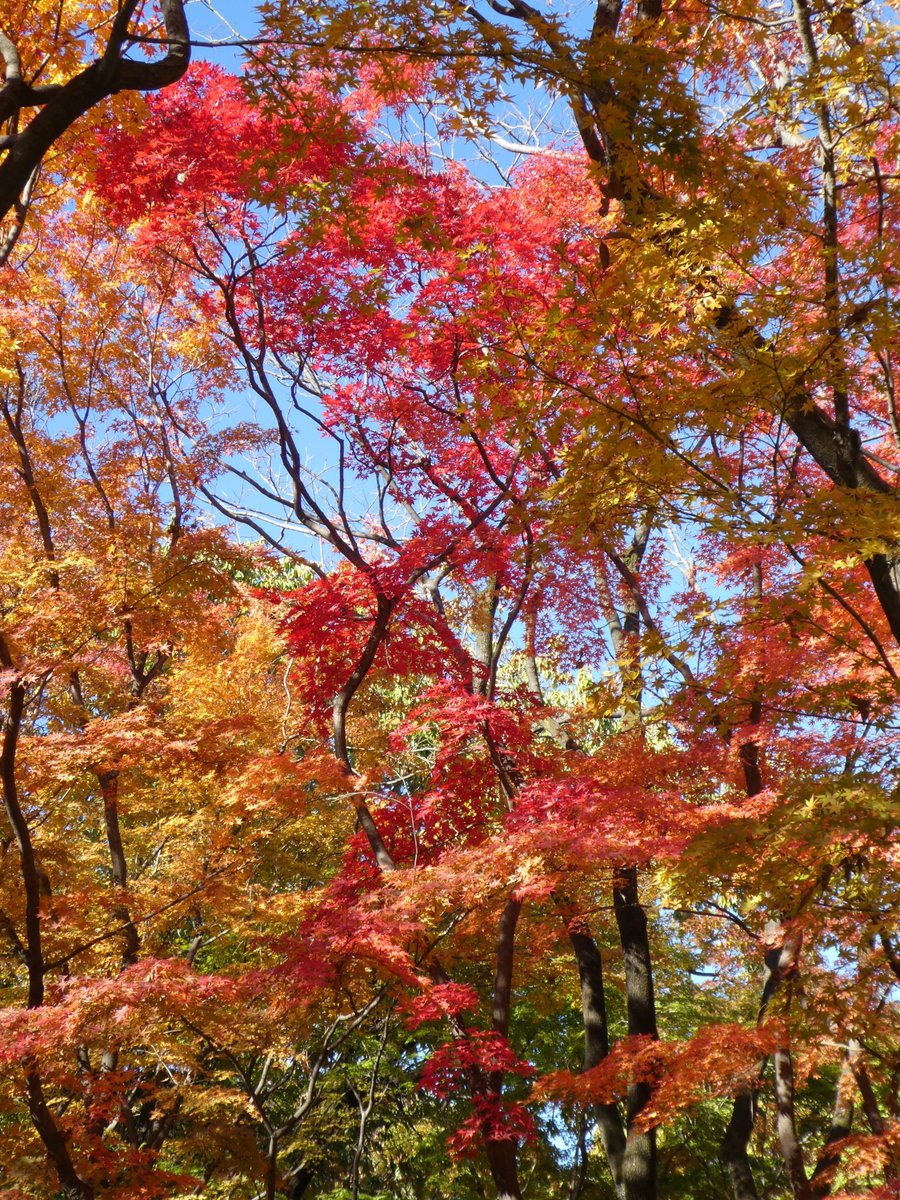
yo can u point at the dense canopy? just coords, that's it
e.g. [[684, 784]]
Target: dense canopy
[[450, 601]]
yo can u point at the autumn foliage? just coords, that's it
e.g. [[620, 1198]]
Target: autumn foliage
[[450, 605]]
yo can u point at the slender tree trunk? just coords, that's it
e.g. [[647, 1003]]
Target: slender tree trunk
[[638, 1174], [739, 1130], [72, 1186], [791, 1151], [734, 1145], [503, 1156], [596, 1046], [639, 1162], [109, 787]]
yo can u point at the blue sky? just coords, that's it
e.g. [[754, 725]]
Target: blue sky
[[217, 20]]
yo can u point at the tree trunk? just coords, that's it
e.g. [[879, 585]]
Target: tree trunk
[[639, 1163], [596, 1047], [734, 1146], [501, 1158], [791, 1151]]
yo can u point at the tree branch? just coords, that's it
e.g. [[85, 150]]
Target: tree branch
[[61, 106]]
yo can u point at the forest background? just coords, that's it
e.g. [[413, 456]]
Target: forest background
[[449, 601]]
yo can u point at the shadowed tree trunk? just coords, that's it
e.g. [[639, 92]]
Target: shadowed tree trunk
[[596, 1043]]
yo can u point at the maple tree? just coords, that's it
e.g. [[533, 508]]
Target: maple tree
[[522, 803]]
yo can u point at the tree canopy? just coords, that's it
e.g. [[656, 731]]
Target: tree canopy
[[450, 602]]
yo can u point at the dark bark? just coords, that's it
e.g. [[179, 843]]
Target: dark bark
[[140, 677], [73, 1188], [890, 951], [791, 1151], [639, 1163], [867, 1096], [143, 672], [339, 722], [871, 1108], [13, 419], [506, 939], [61, 105], [638, 1169], [736, 1139], [54, 1142], [502, 1158], [830, 237], [735, 1142], [606, 16], [834, 447], [596, 1045], [342, 700], [109, 787], [749, 756], [883, 573], [31, 876], [607, 1116], [300, 1179]]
